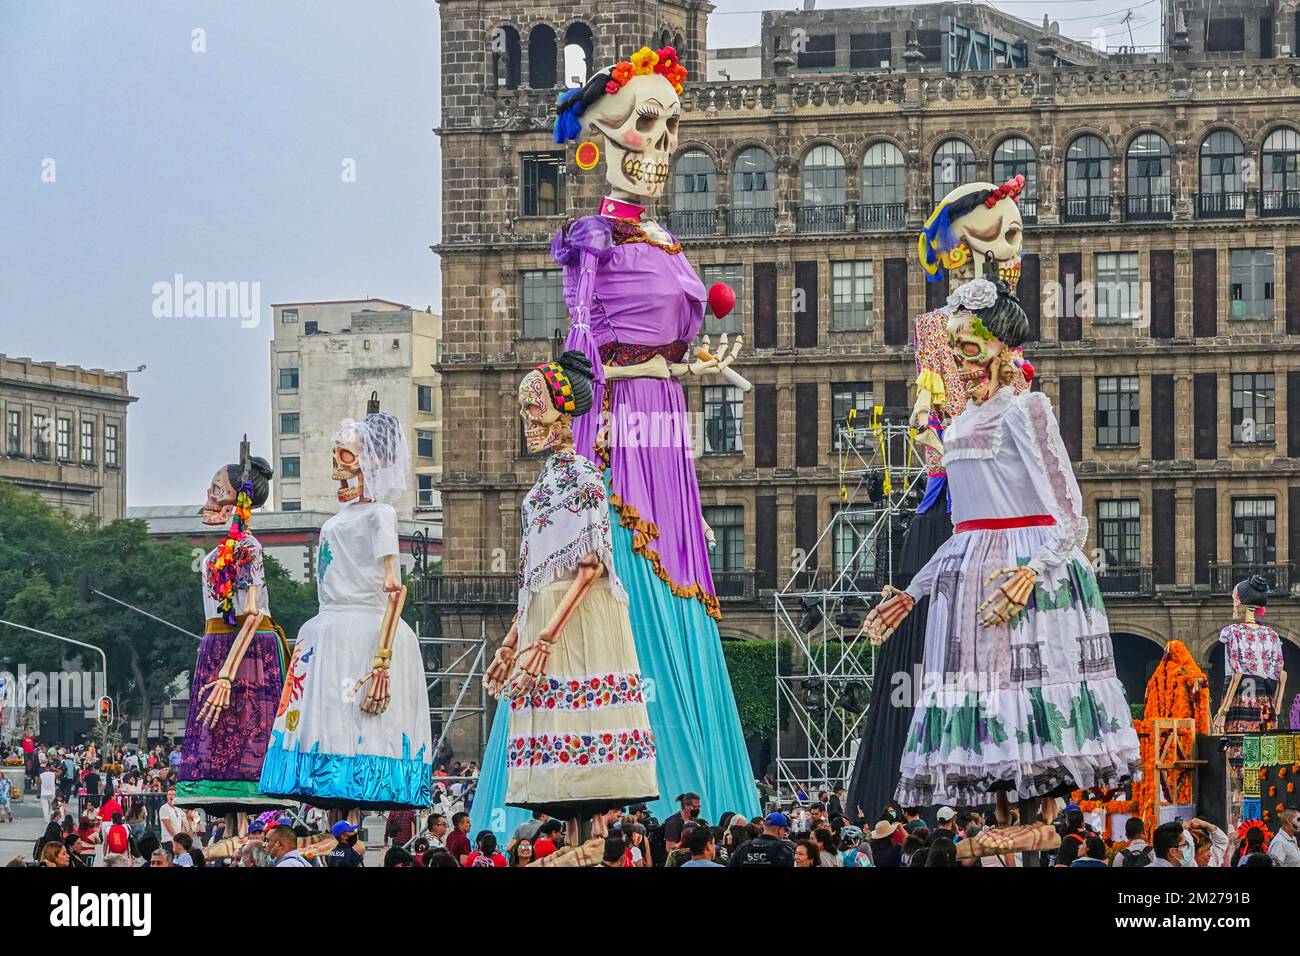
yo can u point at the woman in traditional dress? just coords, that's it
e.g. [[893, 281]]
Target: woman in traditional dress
[[1019, 695], [580, 741], [239, 673], [636, 303], [1254, 672], [352, 727]]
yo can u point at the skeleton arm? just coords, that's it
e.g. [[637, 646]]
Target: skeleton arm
[[1220, 718], [376, 700], [218, 690], [1278, 698], [503, 662], [532, 662]]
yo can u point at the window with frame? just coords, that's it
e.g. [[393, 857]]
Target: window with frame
[[1225, 35], [544, 311], [824, 176], [41, 436], [818, 52], [884, 187], [1146, 177], [724, 419], [310, 327], [1222, 174], [1117, 410], [87, 441], [851, 295], [953, 165], [63, 439], [289, 423], [1250, 284], [728, 524], [110, 446], [1117, 295], [424, 398], [1253, 407], [854, 546], [753, 192], [1280, 171], [426, 492], [1016, 157], [291, 506], [1119, 532], [424, 444], [14, 432], [694, 181], [290, 466], [869, 51], [734, 276], [1087, 179], [288, 316], [1254, 533], [849, 397], [543, 184], [288, 379]]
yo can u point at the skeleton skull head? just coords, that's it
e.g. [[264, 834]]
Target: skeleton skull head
[[996, 230], [639, 124], [544, 426], [347, 467], [974, 348], [221, 499]]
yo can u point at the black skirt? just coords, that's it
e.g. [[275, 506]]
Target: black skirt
[[875, 774]]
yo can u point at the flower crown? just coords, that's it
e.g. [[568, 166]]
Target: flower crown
[[571, 103], [1011, 188]]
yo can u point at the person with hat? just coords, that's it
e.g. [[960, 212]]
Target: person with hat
[[947, 826], [770, 848], [884, 850], [852, 851], [345, 853]]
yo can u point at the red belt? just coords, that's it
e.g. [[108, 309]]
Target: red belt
[[616, 353], [1004, 524]]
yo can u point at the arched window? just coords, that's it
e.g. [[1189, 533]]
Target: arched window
[[578, 49], [695, 197], [506, 57], [1279, 183], [1222, 189], [884, 188], [753, 192], [1016, 157], [1087, 180], [954, 165], [1146, 178], [541, 58], [822, 205]]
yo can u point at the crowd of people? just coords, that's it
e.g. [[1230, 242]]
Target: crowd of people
[[118, 809]]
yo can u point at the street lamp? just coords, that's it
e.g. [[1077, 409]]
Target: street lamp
[[103, 658]]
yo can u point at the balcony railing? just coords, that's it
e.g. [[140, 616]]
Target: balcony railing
[[692, 223], [881, 216], [1149, 208], [1125, 582], [734, 585], [753, 222], [1220, 205], [1086, 209], [467, 589], [1279, 202], [822, 218], [1224, 577], [1028, 210]]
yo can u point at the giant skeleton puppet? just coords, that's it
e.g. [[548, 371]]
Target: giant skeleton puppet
[[239, 671], [352, 726], [974, 225], [636, 307], [580, 741], [1026, 703]]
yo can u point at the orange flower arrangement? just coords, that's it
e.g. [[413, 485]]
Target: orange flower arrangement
[[1177, 689]]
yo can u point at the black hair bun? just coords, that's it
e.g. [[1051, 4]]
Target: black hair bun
[[1006, 318], [262, 467], [576, 363], [1254, 591]]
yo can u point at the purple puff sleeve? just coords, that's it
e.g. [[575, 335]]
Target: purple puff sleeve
[[579, 247]]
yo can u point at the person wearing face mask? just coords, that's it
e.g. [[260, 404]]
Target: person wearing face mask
[[690, 810], [1031, 702], [1168, 843]]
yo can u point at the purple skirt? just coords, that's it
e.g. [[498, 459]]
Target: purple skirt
[[235, 748]]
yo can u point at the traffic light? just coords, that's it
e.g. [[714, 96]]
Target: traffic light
[[106, 709]]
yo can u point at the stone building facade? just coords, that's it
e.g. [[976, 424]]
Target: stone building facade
[[1162, 278], [65, 435]]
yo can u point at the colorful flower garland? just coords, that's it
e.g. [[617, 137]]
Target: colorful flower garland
[[643, 62], [229, 559]]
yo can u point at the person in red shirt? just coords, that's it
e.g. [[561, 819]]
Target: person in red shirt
[[119, 837], [400, 827], [458, 839], [547, 839], [486, 854]]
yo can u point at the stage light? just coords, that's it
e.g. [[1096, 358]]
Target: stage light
[[812, 612]]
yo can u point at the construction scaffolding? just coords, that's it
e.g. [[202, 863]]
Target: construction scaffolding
[[825, 665]]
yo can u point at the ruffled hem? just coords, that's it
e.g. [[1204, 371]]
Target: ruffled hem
[[341, 780], [974, 783], [643, 533]]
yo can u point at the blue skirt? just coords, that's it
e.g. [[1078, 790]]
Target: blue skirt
[[699, 745]]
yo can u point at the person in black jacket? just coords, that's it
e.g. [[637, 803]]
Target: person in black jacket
[[770, 848], [884, 851]]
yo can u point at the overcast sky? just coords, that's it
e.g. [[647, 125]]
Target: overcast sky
[[286, 145]]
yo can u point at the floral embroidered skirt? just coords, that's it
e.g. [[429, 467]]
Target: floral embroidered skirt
[[220, 765], [323, 750], [1250, 712], [581, 743], [1032, 707]]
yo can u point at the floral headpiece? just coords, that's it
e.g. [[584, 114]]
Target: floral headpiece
[[559, 387], [571, 103], [229, 560], [1010, 189]]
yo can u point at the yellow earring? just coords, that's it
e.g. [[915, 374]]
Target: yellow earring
[[587, 155]]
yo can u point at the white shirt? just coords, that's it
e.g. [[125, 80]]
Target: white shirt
[[174, 815], [1283, 849], [350, 558], [47, 783]]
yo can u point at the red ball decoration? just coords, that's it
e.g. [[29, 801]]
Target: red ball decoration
[[722, 299]]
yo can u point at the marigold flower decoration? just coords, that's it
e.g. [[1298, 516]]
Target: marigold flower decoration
[[229, 560]]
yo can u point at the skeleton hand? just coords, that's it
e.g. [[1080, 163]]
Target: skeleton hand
[[1220, 725], [217, 701], [532, 667], [503, 662], [709, 537], [884, 618], [377, 699], [708, 363], [1010, 597]]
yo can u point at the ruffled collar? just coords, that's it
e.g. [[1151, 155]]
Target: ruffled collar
[[612, 208]]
